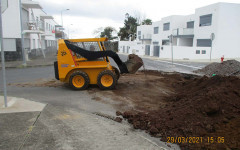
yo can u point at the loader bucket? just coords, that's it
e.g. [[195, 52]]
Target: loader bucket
[[133, 63]]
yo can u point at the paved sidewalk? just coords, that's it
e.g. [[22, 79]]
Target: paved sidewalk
[[36, 62], [17, 120], [56, 127]]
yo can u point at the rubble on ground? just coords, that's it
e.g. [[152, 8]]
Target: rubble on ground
[[226, 68]]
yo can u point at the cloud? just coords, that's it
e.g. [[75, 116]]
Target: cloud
[[90, 8]]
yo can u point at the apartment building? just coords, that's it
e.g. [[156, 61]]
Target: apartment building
[[212, 31], [38, 29]]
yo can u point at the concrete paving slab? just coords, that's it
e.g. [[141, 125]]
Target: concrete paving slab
[[14, 127], [60, 128], [19, 105]]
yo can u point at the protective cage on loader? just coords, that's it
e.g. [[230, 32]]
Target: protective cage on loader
[[85, 61]]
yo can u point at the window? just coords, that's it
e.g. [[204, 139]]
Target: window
[[155, 43], [139, 37], [9, 44], [203, 51], [205, 20], [46, 26], [204, 43], [155, 30], [165, 42], [166, 26], [139, 32], [4, 5], [190, 24], [197, 51]]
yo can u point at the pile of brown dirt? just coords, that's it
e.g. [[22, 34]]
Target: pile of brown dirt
[[229, 67], [202, 107]]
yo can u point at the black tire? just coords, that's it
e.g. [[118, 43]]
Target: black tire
[[117, 73], [72, 81], [102, 86], [56, 70]]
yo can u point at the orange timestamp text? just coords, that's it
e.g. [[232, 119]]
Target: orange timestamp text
[[196, 140]]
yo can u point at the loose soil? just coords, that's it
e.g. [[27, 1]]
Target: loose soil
[[226, 68], [180, 105], [39, 83], [199, 107]]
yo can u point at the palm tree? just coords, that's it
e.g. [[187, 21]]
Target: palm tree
[[147, 22]]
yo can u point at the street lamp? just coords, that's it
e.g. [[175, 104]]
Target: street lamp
[[127, 16], [68, 31], [61, 14], [62, 20]]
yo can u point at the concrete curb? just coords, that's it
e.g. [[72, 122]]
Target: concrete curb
[[20, 105]]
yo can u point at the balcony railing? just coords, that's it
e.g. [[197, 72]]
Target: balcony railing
[[146, 37], [183, 31], [35, 25]]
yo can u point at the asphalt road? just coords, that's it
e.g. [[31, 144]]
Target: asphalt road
[[64, 102], [153, 63]]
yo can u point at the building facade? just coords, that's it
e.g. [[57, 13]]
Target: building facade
[[212, 31], [38, 29]]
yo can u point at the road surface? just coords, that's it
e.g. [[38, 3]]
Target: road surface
[[69, 121]]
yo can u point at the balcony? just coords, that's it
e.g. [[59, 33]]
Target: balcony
[[31, 4], [146, 37], [183, 32], [34, 27], [46, 17]]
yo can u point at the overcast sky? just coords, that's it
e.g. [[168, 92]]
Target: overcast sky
[[85, 16]]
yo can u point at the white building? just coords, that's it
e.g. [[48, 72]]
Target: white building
[[192, 34], [38, 29]]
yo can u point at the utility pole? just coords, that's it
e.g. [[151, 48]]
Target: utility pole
[[212, 36], [3, 60], [171, 41], [63, 36], [22, 34]]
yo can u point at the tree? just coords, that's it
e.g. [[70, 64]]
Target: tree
[[147, 22], [130, 28], [105, 32]]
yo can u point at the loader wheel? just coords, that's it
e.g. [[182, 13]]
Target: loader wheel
[[116, 72], [106, 80], [79, 80]]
